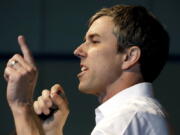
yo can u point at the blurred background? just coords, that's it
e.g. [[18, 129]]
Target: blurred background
[[53, 29]]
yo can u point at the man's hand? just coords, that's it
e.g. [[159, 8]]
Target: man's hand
[[21, 76], [53, 126]]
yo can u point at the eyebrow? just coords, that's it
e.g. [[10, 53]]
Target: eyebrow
[[92, 36]]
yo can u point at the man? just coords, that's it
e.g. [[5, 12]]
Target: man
[[124, 51]]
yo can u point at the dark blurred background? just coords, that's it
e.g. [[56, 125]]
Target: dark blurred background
[[53, 29]]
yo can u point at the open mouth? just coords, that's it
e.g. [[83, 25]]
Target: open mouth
[[83, 70]]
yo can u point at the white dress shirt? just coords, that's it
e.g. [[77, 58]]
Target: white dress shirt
[[132, 111]]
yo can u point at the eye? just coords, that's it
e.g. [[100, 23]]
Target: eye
[[95, 41]]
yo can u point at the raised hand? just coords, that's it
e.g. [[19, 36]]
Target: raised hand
[[21, 75]]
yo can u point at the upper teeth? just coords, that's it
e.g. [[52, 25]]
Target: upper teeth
[[83, 68]]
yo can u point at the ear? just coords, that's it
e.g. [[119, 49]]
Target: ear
[[131, 57]]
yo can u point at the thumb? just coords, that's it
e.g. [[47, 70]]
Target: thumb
[[58, 96], [59, 101]]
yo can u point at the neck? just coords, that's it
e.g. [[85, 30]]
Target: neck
[[126, 81]]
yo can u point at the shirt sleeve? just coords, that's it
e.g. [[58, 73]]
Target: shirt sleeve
[[147, 124]]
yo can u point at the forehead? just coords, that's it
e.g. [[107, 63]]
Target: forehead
[[103, 26]]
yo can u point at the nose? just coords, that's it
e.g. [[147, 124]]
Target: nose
[[80, 51]]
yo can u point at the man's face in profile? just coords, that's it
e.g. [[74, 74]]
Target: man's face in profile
[[100, 62]]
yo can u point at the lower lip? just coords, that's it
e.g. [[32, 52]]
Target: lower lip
[[81, 74]]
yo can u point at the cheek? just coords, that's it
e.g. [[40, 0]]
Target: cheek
[[102, 67], [102, 59], [105, 65], [98, 61]]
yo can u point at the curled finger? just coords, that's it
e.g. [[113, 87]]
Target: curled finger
[[46, 98], [44, 108], [36, 107]]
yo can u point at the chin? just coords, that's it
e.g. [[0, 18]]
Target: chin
[[87, 89], [83, 89]]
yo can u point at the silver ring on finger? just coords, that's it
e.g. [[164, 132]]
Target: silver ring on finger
[[13, 63]]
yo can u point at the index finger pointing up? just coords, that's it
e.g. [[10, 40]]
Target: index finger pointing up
[[25, 50]]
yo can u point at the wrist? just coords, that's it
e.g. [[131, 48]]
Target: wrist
[[54, 132], [26, 121], [21, 108]]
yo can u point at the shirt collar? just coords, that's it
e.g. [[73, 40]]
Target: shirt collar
[[144, 89]]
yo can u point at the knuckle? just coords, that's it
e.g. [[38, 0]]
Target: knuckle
[[32, 70], [37, 108], [39, 98], [16, 55], [45, 92], [6, 70], [23, 73], [42, 103], [35, 104], [8, 62], [45, 100]]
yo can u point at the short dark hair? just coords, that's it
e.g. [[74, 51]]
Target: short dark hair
[[135, 26]]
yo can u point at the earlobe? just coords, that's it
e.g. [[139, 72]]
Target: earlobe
[[131, 57]]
